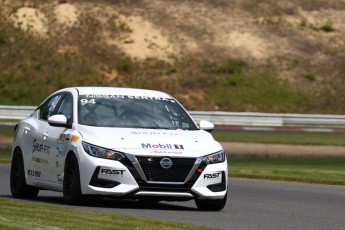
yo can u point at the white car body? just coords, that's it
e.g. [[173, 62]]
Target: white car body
[[157, 164]]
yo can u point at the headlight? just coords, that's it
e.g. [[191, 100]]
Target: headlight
[[217, 157], [96, 151]]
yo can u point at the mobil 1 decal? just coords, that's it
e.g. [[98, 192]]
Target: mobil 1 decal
[[161, 146]]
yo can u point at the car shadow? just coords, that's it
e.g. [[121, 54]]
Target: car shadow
[[105, 203]]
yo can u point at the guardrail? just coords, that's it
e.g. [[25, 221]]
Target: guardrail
[[222, 118], [9, 112], [270, 119]]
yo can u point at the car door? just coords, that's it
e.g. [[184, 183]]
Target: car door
[[40, 149], [58, 140]]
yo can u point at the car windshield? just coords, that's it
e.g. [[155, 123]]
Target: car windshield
[[133, 112]]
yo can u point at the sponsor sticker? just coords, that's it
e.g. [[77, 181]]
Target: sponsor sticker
[[34, 173], [37, 147], [74, 138], [93, 99], [62, 138], [106, 172], [59, 177], [129, 97], [58, 152], [161, 146], [214, 177], [57, 164], [165, 152], [39, 160]]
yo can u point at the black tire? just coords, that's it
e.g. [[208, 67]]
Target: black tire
[[211, 205], [71, 183], [19, 188]]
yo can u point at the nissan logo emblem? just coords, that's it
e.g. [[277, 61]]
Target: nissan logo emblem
[[166, 163]]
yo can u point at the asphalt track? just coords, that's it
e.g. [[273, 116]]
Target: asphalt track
[[252, 204]]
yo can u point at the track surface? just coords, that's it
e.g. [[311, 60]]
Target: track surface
[[252, 204]]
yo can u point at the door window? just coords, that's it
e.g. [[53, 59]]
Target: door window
[[48, 108], [66, 107]]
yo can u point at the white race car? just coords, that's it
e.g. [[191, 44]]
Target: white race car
[[119, 143]]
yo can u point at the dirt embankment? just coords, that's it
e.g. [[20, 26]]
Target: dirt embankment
[[298, 36]]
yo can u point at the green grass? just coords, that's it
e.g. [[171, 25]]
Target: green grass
[[296, 138], [5, 156], [259, 91], [321, 170], [8, 132], [23, 215]]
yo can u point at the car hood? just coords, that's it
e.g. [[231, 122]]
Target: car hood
[[152, 141]]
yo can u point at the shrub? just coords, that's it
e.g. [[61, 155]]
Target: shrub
[[2, 38], [309, 77], [328, 26]]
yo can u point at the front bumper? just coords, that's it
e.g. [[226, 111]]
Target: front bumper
[[131, 179]]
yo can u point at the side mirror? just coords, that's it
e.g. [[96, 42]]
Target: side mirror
[[58, 121], [206, 125]]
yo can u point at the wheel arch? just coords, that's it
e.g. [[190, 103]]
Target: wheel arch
[[70, 153], [16, 149]]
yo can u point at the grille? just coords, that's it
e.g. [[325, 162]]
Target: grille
[[177, 173]]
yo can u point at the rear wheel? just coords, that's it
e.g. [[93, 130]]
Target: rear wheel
[[211, 205], [71, 183], [19, 188]]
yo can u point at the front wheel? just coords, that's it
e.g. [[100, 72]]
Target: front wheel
[[71, 183], [19, 188], [211, 205]]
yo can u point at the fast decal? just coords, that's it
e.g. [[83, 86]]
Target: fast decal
[[34, 173], [112, 172], [161, 146], [37, 147], [212, 176], [39, 160]]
